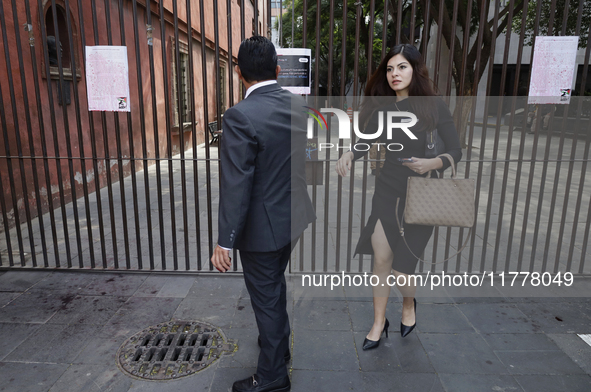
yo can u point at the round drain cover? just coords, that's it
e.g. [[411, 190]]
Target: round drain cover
[[173, 349]]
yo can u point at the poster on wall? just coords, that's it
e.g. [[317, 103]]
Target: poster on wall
[[295, 74], [553, 70], [107, 78]]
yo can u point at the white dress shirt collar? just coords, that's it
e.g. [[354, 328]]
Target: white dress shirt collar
[[260, 84]]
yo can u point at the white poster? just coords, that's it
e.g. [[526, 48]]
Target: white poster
[[553, 70], [295, 74], [107, 78]]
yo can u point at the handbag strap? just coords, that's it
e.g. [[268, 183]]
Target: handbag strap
[[401, 229]]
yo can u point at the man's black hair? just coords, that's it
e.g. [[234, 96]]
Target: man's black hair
[[257, 59]]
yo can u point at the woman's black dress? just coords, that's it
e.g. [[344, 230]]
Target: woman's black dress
[[392, 180]]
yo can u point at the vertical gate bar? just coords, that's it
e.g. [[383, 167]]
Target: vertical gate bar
[[256, 16], [340, 150], [579, 18], [30, 136], [497, 130], [533, 156], [459, 94], [525, 9], [483, 19], [131, 156], [583, 170], [68, 139], [206, 119], [304, 45], [145, 161], [356, 93], [242, 22], [369, 73], [385, 29], [426, 30], [399, 23], [328, 135], [316, 99], [93, 143], [169, 158], [82, 159], [11, 180], [118, 159], [43, 147], [413, 13], [551, 18], [510, 132], [56, 149], [280, 23], [544, 169], [156, 142], [107, 158], [452, 46], [194, 137], [19, 151], [218, 89], [438, 44], [177, 55]]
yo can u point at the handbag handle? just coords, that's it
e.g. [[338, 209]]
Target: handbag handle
[[401, 229]]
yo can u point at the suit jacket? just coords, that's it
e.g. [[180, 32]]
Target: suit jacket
[[264, 203]]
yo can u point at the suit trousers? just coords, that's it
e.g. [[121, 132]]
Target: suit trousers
[[264, 275]]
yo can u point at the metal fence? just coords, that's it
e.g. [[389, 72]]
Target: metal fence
[[139, 191]]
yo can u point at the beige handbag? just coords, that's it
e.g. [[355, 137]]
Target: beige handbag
[[439, 202]]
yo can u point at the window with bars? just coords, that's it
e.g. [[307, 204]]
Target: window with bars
[[181, 104]]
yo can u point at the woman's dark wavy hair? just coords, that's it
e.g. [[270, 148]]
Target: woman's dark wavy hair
[[420, 86]]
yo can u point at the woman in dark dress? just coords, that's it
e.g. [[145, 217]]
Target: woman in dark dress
[[402, 76]]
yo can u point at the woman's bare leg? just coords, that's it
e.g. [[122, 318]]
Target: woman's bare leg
[[408, 294], [383, 257]]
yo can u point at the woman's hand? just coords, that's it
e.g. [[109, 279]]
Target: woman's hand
[[344, 163], [424, 165]]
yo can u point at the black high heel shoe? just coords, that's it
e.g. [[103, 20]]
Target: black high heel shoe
[[369, 344], [405, 329]]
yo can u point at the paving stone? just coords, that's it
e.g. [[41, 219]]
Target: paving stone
[[378, 381], [92, 378], [223, 380], [29, 377], [217, 287], [321, 315], [248, 348], [200, 381], [466, 353], [54, 343], [6, 298], [114, 284], [519, 341], [165, 286], [20, 281], [102, 348], [558, 317], [31, 307], [82, 309], [480, 382], [498, 318], [244, 315], [312, 380], [538, 362], [216, 311], [321, 293], [317, 350], [572, 346], [66, 281], [362, 315], [13, 335], [567, 383], [441, 318], [142, 312]]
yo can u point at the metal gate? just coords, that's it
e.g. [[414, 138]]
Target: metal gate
[[139, 190]]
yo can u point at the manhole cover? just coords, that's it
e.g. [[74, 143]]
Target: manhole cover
[[173, 349]]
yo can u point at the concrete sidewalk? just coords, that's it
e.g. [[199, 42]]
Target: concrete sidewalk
[[60, 331]]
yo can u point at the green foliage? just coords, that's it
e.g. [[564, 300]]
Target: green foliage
[[558, 25]]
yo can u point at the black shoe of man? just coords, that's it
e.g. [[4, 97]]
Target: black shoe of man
[[255, 384], [286, 357]]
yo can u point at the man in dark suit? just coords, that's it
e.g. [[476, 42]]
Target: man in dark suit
[[264, 204]]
